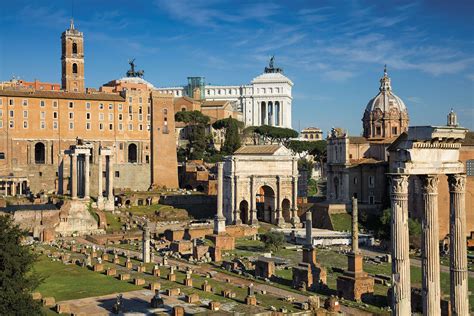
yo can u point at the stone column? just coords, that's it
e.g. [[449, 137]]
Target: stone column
[[294, 201], [100, 197], [253, 204], [86, 176], [6, 187], [355, 226], [237, 219], [401, 290], [280, 221], [431, 291], [60, 174], [219, 219], [230, 216], [309, 228], [110, 178], [20, 187], [458, 250], [73, 179], [146, 244]]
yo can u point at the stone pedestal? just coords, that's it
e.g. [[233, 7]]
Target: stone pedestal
[[129, 265], [222, 241], [178, 311], [206, 287], [111, 272], [192, 298], [188, 282], [139, 281], [155, 286], [309, 255], [354, 282], [99, 267], [214, 306], [251, 300], [156, 272], [124, 277], [172, 277]]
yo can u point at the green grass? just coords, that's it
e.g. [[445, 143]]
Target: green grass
[[341, 221], [67, 282], [113, 223], [312, 187]]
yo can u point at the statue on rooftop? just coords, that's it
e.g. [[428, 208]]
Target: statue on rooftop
[[271, 68], [131, 72]]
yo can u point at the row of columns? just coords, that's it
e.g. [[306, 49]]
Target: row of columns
[[109, 204], [80, 176], [267, 113], [15, 186], [431, 292]]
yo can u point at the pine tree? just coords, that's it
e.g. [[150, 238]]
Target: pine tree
[[16, 281], [232, 138]]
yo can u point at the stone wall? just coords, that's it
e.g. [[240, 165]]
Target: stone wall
[[198, 206]]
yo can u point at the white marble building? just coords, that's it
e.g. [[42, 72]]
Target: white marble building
[[266, 100]]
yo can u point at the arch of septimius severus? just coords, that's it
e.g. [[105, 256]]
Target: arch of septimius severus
[[427, 152]]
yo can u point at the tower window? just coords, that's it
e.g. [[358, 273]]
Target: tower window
[[74, 68], [74, 48], [394, 130]]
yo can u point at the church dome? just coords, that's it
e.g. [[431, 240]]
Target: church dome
[[385, 100]]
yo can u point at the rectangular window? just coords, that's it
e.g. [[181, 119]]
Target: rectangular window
[[25, 124], [111, 127], [111, 116], [55, 104], [1, 101], [130, 127], [88, 125], [71, 125], [148, 127], [130, 99], [371, 181], [55, 124], [120, 127], [42, 115], [12, 124], [378, 130], [1, 124], [25, 102], [140, 117], [42, 103], [2, 155], [120, 116], [55, 115], [148, 117], [88, 116], [120, 107], [470, 168], [371, 199], [88, 105], [42, 124], [25, 114], [1, 112], [140, 127], [394, 130], [101, 106], [101, 116], [117, 174], [11, 102], [101, 126], [71, 105], [111, 106], [130, 109], [71, 115], [12, 113], [130, 117]]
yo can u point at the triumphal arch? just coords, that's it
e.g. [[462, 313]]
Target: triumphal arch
[[428, 152], [260, 184]]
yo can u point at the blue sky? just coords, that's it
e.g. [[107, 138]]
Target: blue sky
[[334, 51]]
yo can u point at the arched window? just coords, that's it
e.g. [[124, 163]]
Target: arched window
[[74, 68], [39, 153], [132, 153], [165, 111], [74, 48]]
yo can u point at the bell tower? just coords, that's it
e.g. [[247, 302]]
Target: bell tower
[[72, 60]]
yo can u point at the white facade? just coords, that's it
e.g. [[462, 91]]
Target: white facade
[[265, 101]]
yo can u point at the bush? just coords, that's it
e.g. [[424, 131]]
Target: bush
[[273, 241]]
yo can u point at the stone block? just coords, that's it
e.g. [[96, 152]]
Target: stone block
[[63, 308], [129, 265], [223, 242], [214, 306], [124, 277], [139, 281], [178, 311], [48, 301], [206, 287], [264, 268], [155, 286], [173, 292], [111, 272], [353, 286], [251, 300], [183, 247], [332, 304], [36, 296], [141, 269], [188, 282], [156, 272], [216, 254], [117, 260], [228, 293], [200, 251], [172, 277], [105, 257], [192, 298], [98, 267]]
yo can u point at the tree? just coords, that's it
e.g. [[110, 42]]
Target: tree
[[232, 137], [274, 134], [273, 241], [16, 281], [196, 125]]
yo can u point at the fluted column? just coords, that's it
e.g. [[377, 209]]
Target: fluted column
[[73, 179], [253, 204], [355, 226], [294, 201], [431, 291], [309, 228], [401, 290], [237, 219], [458, 250], [279, 212], [110, 178], [219, 220], [86, 176], [100, 197]]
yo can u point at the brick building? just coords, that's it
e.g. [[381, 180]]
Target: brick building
[[38, 126]]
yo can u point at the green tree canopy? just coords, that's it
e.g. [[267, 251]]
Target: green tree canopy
[[197, 123], [273, 241], [274, 134], [192, 117], [225, 123], [16, 261], [303, 148], [232, 137]]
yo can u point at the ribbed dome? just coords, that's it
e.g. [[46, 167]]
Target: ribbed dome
[[385, 99]]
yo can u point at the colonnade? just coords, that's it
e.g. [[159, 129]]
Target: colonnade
[[106, 154], [431, 292], [13, 186], [271, 113], [80, 171]]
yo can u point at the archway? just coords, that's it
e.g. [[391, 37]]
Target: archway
[[40, 153], [286, 206], [265, 202], [74, 48], [244, 212], [132, 153]]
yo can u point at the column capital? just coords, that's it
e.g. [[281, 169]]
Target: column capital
[[399, 183], [430, 183], [457, 182]]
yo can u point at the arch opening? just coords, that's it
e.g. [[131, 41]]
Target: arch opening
[[40, 153], [286, 207], [132, 153], [265, 203], [244, 211]]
